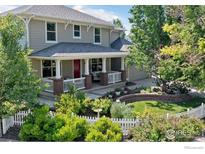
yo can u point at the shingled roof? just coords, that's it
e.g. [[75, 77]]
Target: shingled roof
[[121, 44], [58, 12], [65, 48]]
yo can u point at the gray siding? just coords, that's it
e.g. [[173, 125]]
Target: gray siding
[[114, 36], [36, 65], [67, 68], [134, 74], [37, 35]]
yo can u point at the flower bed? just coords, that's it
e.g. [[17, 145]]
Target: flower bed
[[153, 96]]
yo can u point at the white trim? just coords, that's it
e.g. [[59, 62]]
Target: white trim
[[76, 37], [41, 68], [56, 31], [71, 22], [72, 56], [94, 36]]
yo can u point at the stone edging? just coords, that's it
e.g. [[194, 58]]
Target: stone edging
[[153, 96]]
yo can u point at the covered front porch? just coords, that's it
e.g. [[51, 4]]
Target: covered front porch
[[83, 73], [81, 64]]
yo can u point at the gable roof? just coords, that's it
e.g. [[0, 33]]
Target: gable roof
[[67, 48], [58, 12], [121, 44]]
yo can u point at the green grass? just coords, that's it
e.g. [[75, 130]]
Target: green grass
[[165, 107]]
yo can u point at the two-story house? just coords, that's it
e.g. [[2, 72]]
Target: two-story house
[[71, 47]]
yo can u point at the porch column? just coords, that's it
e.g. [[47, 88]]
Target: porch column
[[104, 74], [88, 77], [104, 65], [86, 66], [122, 63], [58, 88], [58, 74], [123, 71]]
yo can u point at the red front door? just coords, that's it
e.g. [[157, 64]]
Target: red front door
[[77, 68]]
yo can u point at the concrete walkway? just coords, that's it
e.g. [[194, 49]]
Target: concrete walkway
[[7, 140], [102, 90]]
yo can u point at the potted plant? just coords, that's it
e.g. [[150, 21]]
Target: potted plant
[[118, 91], [109, 94]]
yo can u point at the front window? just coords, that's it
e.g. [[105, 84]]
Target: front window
[[51, 31], [48, 68], [97, 34], [96, 65], [76, 31]]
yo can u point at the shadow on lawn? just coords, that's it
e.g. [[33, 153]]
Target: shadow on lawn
[[172, 106]]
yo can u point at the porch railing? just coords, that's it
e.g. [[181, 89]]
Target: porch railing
[[114, 77], [78, 82], [49, 85]]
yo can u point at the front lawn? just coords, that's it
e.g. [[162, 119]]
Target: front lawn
[[165, 107]]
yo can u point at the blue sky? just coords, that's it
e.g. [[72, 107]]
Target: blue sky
[[106, 12]]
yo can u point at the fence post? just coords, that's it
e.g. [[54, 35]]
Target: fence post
[[202, 110], [167, 115], [1, 127]]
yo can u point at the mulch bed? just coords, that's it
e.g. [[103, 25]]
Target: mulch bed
[[12, 133]]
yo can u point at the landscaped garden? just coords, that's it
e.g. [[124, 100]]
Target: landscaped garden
[[174, 57]]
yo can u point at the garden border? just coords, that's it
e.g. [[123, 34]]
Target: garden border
[[153, 96]]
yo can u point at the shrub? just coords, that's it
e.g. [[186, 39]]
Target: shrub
[[177, 87], [38, 126], [120, 110], [69, 128], [103, 104], [68, 103], [41, 126], [154, 127], [104, 130]]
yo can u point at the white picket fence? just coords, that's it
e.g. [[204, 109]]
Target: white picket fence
[[125, 124], [16, 120], [19, 118], [198, 112]]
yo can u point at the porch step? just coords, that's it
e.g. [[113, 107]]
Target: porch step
[[47, 95], [115, 85]]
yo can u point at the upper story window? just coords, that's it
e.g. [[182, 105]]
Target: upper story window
[[76, 31], [97, 34], [51, 34]]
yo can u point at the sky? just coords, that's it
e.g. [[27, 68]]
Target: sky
[[105, 12]]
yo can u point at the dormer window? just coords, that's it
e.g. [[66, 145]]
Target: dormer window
[[76, 31], [97, 36], [51, 35]]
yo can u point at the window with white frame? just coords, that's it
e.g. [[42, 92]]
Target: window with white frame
[[48, 68], [76, 31], [96, 65], [97, 33], [51, 32]]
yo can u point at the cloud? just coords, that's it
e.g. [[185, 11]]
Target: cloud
[[104, 14], [99, 13], [4, 8]]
